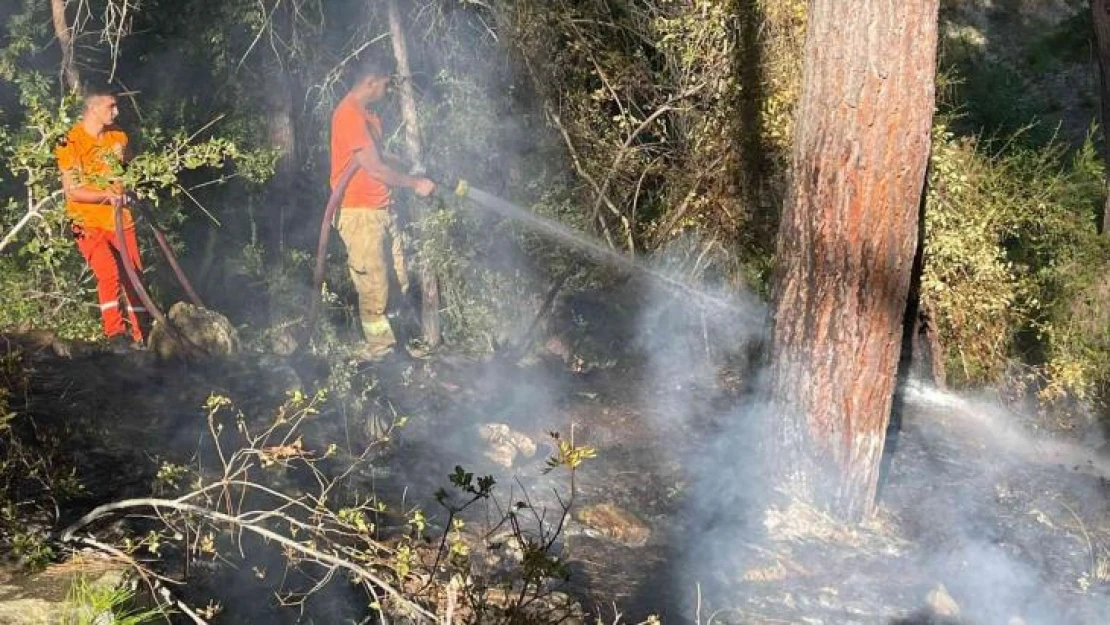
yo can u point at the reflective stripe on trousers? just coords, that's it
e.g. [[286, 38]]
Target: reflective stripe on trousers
[[375, 257]]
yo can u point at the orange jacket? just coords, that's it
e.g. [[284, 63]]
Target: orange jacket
[[354, 128], [95, 161]]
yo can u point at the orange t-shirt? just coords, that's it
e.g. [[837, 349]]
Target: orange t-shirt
[[354, 128], [94, 160]]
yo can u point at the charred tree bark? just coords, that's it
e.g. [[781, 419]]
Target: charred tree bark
[[429, 284], [1100, 17], [846, 243], [70, 75]]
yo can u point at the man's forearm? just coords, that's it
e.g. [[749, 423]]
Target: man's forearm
[[393, 161], [379, 170], [393, 178], [86, 195]]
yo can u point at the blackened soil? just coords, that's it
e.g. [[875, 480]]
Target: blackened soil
[[1008, 536]]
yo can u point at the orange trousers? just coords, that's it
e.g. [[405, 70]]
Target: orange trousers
[[102, 253]]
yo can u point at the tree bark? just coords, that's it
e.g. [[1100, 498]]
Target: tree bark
[[70, 75], [282, 135], [1100, 17], [429, 284], [846, 243]]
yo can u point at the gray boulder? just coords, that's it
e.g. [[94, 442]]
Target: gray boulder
[[197, 333]]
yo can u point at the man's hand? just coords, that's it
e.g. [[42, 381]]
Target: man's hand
[[424, 187], [118, 199]]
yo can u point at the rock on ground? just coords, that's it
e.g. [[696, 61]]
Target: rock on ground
[[942, 603], [505, 444], [47, 598], [206, 334], [615, 524]]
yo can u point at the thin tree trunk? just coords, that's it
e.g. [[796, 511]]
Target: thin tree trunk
[[846, 243], [429, 285], [65, 41], [282, 134], [1100, 17]]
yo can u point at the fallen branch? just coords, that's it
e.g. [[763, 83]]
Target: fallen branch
[[106, 509]]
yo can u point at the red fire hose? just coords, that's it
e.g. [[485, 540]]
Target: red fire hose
[[133, 275], [322, 246]]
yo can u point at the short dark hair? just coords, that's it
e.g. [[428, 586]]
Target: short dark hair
[[92, 92], [374, 66]]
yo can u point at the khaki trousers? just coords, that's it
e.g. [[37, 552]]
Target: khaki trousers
[[375, 257]]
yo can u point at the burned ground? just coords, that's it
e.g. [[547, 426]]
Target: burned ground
[[970, 516]]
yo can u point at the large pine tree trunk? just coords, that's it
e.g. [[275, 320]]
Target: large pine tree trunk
[[846, 242], [70, 75], [429, 285], [1100, 16]]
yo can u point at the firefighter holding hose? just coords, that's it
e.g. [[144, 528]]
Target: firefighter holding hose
[[366, 224], [90, 159]]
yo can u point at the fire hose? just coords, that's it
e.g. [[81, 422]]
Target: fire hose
[[322, 245], [133, 275]]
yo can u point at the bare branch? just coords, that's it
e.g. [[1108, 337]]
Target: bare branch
[[33, 212], [64, 34]]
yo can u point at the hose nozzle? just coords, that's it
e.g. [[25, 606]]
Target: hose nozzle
[[463, 188]]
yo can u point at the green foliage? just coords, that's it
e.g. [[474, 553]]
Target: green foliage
[[644, 129], [487, 269], [31, 547], [645, 104], [1014, 263], [1011, 65], [95, 604], [1069, 41]]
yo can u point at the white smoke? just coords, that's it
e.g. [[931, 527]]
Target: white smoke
[[976, 502]]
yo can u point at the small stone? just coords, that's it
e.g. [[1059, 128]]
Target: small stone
[[524, 445], [501, 454], [283, 341], [942, 603], [615, 524], [505, 443]]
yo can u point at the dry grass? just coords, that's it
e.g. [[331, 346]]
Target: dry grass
[[804, 524], [86, 563]]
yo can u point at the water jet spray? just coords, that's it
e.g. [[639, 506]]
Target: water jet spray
[[578, 241], [541, 225]]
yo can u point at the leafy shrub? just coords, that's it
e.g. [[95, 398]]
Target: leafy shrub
[[1014, 264]]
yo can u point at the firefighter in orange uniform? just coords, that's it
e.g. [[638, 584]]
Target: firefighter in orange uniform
[[90, 159], [366, 224]]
